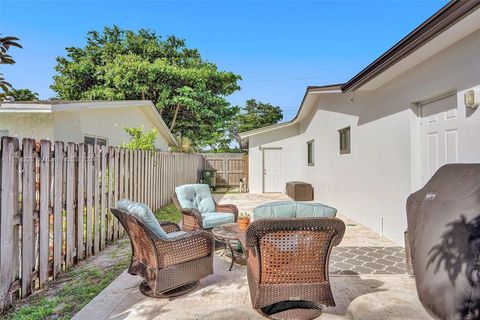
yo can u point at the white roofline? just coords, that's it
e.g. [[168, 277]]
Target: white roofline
[[25, 108]]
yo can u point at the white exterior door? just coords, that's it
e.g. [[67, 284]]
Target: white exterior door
[[272, 170], [439, 135]]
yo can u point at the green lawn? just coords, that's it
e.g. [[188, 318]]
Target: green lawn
[[169, 213]]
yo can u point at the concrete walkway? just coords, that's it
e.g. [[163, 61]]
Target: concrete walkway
[[367, 272]]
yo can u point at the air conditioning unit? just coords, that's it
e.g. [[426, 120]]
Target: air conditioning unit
[[472, 98]]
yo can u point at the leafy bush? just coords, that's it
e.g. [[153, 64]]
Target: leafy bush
[[140, 140]]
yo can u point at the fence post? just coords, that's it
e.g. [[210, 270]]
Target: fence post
[[88, 218], [103, 199], [70, 197], [58, 209], [8, 210], [96, 199], [44, 214], [80, 201], [28, 191]]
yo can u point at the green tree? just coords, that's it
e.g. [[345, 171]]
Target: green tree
[[256, 115], [23, 95], [184, 145], [5, 58], [188, 91], [140, 140]]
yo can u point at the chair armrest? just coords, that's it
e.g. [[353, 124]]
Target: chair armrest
[[186, 247], [230, 208], [169, 226], [195, 214]]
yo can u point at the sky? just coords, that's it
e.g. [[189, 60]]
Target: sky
[[278, 47]]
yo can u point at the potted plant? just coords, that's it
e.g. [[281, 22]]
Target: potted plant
[[243, 220]]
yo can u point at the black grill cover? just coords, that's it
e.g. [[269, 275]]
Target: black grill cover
[[444, 236]]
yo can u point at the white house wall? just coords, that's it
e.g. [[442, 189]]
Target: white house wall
[[72, 126], [23, 125], [371, 184]]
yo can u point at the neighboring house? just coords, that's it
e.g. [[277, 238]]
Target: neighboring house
[[365, 145], [101, 122]]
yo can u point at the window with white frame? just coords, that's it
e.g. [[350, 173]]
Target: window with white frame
[[95, 140], [344, 140], [310, 153]]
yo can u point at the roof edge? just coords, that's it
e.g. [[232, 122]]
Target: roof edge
[[326, 88], [444, 18]]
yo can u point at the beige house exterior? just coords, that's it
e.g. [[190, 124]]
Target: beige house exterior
[[101, 122], [380, 136]]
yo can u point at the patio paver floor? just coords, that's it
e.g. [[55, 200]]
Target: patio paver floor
[[367, 272]]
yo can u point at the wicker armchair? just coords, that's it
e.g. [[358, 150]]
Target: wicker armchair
[[192, 218], [287, 265], [169, 267]]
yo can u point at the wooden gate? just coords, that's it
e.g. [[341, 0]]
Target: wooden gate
[[231, 167]]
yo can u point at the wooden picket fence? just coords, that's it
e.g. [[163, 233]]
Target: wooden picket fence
[[55, 200]]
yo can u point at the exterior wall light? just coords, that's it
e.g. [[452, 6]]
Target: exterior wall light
[[472, 98]]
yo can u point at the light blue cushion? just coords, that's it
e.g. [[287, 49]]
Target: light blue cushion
[[196, 196], [285, 209], [213, 219], [175, 234], [315, 210], [293, 209], [143, 213]]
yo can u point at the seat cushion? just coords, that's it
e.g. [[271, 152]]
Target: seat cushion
[[213, 219], [196, 196], [293, 209], [143, 213]]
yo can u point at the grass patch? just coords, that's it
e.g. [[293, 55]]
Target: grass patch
[[73, 289], [168, 213]]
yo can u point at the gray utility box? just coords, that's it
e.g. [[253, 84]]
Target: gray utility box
[[299, 191]]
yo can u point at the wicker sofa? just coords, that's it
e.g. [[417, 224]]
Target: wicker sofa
[[287, 258], [199, 209], [170, 261]]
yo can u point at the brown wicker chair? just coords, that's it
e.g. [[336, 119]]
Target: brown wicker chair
[[192, 218], [169, 267], [287, 265]]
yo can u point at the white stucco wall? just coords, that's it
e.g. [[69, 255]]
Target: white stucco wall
[[23, 125], [371, 184], [72, 126]]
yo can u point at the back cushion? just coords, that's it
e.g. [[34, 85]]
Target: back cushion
[[196, 196], [292, 209], [143, 213], [315, 210]]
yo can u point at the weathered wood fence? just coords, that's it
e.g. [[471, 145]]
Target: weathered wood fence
[[55, 200], [231, 167]]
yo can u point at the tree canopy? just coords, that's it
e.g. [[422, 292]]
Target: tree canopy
[[256, 115], [23, 94], [188, 91]]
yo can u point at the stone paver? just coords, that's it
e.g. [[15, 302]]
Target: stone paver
[[360, 291]]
